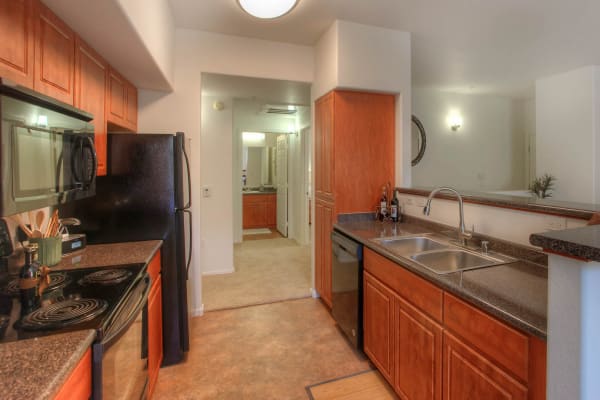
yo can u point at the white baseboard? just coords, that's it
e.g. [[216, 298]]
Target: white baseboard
[[219, 272], [198, 312]]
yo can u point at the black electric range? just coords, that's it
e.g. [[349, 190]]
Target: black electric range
[[75, 300]]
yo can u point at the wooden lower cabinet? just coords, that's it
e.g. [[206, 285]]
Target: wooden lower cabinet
[[323, 228], [259, 211], [78, 385], [379, 325], [155, 342], [465, 355], [418, 343], [469, 375]]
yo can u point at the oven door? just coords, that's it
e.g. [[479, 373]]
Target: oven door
[[120, 366]]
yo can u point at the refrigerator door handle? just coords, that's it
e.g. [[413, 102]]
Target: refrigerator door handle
[[189, 256], [189, 177]]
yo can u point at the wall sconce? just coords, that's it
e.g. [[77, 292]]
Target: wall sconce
[[455, 121]]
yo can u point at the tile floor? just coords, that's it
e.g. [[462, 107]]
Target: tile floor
[[264, 352]]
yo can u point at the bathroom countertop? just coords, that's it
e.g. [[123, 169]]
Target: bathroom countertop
[[516, 293]]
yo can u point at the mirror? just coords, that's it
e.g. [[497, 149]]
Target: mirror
[[506, 145], [419, 140], [259, 162]]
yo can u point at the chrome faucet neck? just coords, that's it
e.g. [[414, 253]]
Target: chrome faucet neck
[[462, 234]]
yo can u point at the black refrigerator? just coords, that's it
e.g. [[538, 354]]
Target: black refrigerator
[[144, 196]]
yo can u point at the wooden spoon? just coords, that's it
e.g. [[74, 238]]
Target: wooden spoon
[[40, 218]]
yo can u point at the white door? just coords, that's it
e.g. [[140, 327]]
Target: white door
[[282, 184]]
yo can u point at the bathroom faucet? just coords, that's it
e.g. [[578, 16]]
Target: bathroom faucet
[[463, 236]]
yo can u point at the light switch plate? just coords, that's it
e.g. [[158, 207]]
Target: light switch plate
[[206, 191]]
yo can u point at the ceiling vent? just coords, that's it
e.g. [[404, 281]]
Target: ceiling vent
[[279, 109]]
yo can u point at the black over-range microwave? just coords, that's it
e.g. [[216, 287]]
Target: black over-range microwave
[[47, 150]]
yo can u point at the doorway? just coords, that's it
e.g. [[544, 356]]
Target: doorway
[[270, 128]]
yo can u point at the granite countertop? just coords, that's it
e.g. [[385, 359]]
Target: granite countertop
[[516, 293], [581, 242], [110, 255], [37, 368]]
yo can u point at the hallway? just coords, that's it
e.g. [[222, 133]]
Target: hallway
[[265, 271]]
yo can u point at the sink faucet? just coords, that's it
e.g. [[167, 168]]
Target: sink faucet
[[463, 236]]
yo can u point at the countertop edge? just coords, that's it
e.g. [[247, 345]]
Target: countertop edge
[[63, 373], [566, 247], [508, 318]]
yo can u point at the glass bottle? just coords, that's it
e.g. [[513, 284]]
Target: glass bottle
[[29, 280]]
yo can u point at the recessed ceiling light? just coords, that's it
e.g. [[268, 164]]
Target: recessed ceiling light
[[267, 9]]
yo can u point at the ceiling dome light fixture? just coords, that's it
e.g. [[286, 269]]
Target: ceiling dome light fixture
[[267, 9]]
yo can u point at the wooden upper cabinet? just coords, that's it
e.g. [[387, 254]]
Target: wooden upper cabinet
[[131, 110], [122, 98], [117, 98], [324, 156], [17, 43], [54, 56], [91, 77]]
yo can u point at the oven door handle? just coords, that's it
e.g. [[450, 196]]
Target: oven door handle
[[111, 336]]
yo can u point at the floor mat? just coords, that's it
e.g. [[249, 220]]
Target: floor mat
[[364, 385]]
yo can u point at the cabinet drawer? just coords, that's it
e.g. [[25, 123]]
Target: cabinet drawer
[[422, 294], [501, 343]]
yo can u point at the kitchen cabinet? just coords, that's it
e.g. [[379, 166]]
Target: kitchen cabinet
[[354, 158], [443, 347], [259, 211], [379, 325], [91, 77], [418, 341], [324, 218], [155, 337], [78, 385], [17, 44], [122, 102], [54, 61]]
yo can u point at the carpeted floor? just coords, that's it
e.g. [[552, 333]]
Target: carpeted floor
[[265, 271], [266, 352]]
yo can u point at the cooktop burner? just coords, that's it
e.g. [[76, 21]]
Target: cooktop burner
[[57, 280], [105, 277], [63, 313]]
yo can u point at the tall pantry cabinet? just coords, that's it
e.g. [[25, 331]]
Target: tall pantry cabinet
[[354, 158]]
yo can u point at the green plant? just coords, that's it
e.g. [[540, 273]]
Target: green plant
[[543, 186]]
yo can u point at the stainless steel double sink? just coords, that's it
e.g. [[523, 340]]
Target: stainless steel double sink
[[438, 255]]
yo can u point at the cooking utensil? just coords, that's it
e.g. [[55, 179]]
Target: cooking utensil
[[53, 225], [40, 218]]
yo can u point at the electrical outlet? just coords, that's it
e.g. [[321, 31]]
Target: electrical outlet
[[421, 202], [206, 191], [408, 201]]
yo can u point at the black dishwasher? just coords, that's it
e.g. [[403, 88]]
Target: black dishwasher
[[347, 293]]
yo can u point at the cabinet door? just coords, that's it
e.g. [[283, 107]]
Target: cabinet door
[[323, 228], [131, 114], [54, 56], [17, 44], [254, 215], [418, 354], [378, 321], [271, 211], [319, 247], [117, 98], [469, 375], [91, 76], [78, 385], [155, 346], [324, 142]]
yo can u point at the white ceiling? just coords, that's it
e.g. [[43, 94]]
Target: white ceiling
[[460, 45], [270, 91]]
